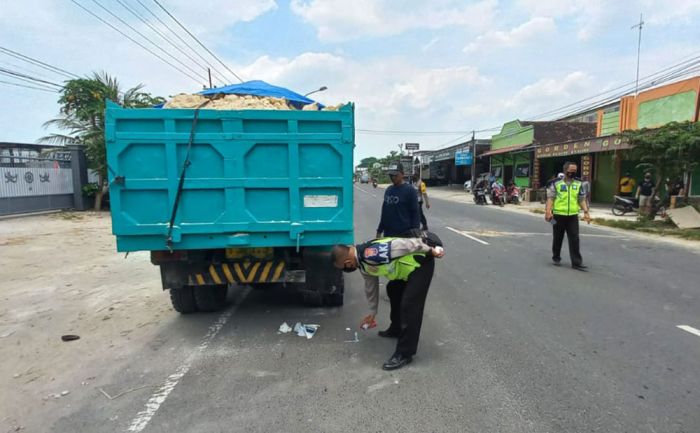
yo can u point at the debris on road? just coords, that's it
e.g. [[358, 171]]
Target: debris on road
[[114, 397], [356, 340], [285, 329], [306, 330], [685, 217], [70, 337]]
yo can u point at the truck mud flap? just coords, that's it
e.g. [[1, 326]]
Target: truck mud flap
[[247, 273]]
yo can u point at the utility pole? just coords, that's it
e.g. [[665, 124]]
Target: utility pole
[[473, 159], [210, 84], [639, 25]]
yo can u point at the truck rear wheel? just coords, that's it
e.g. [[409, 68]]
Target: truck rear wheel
[[335, 289], [183, 300], [211, 298], [311, 298]]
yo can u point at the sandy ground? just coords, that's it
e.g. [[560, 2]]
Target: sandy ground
[[60, 274]]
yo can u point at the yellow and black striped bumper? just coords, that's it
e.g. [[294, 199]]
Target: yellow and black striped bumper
[[244, 273]]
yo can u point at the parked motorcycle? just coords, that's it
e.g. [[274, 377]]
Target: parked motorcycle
[[480, 196], [498, 195], [623, 205], [513, 195]]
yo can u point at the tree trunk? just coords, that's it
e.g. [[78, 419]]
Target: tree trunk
[[99, 193]]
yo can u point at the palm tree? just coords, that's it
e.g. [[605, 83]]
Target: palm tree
[[82, 118]]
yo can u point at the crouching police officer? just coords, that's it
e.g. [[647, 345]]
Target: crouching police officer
[[408, 264]]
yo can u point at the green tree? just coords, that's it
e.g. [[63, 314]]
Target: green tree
[[669, 151], [81, 118], [368, 162]]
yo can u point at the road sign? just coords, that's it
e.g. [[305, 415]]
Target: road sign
[[411, 146], [463, 158]]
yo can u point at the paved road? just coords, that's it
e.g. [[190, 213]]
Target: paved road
[[509, 344]]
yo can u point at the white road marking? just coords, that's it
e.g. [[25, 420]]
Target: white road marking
[[690, 329], [153, 404], [490, 233], [467, 235], [366, 192]]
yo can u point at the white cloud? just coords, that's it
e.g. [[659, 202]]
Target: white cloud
[[391, 93], [215, 16], [549, 93], [341, 20], [517, 36], [661, 12], [589, 15]]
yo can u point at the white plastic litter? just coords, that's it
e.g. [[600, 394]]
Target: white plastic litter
[[284, 328], [306, 330]]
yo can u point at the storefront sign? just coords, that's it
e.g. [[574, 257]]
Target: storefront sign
[[586, 161], [463, 158], [599, 144], [536, 174]]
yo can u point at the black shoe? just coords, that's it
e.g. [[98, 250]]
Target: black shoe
[[389, 333], [397, 361], [556, 262], [583, 268]]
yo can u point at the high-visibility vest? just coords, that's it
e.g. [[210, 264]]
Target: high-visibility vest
[[566, 201], [397, 269]]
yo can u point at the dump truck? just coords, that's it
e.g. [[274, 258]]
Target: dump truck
[[222, 197]]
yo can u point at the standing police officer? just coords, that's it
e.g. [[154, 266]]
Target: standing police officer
[[565, 198], [408, 264]]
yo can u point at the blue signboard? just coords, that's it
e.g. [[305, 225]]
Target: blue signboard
[[463, 158]]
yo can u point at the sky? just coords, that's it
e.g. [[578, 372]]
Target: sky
[[444, 66]]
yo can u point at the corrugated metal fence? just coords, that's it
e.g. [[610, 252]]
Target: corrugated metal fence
[[31, 184]]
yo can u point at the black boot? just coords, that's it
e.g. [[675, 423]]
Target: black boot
[[397, 361]]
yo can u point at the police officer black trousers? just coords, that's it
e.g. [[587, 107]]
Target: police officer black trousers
[[407, 300], [568, 225]]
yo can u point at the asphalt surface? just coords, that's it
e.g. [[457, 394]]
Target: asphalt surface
[[510, 343]]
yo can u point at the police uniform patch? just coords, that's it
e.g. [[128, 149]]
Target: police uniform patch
[[370, 252], [379, 252]]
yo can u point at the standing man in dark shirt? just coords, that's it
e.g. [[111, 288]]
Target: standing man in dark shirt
[[645, 194], [400, 208]]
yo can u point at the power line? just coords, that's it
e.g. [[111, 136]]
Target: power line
[[159, 33], [658, 79], [25, 77], [144, 37], [36, 62], [45, 89], [24, 69], [197, 53], [134, 41], [198, 41]]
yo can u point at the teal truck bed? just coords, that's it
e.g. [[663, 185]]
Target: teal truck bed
[[258, 178], [265, 195]]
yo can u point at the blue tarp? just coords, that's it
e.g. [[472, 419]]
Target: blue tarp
[[261, 88]]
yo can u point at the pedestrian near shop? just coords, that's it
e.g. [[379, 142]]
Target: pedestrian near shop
[[408, 264], [627, 184], [645, 194], [565, 199], [422, 194], [400, 214]]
